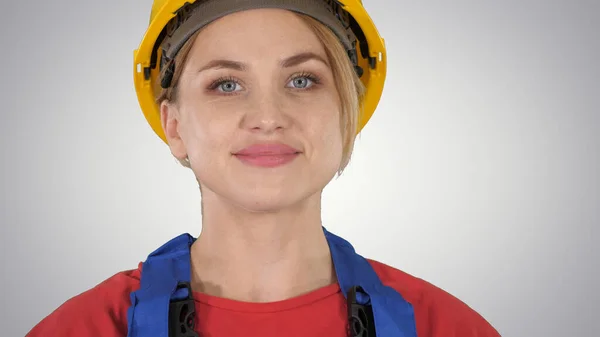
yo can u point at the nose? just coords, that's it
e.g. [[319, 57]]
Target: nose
[[266, 113]]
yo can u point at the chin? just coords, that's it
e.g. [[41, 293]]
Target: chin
[[267, 191], [269, 200]]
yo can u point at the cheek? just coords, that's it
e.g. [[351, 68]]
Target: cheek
[[325, 133], [204, 135]]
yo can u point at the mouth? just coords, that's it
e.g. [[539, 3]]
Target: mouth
[[267, 155]]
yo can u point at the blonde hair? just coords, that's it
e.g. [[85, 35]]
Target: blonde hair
[[350, 88]]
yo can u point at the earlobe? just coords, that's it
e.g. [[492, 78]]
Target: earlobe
[[169, 118]]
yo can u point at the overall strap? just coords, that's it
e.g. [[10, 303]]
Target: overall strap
[[165, 295], [393, 315], [164, 285]]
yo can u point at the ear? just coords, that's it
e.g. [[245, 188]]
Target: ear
[[169, 118]]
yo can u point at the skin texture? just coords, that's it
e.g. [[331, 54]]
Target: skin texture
[[261, 236]]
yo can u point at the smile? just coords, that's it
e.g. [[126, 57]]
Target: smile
[[267, 155], [267, 160]]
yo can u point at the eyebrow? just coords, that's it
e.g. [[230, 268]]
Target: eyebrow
[[286, 63], [220, 64], [301, 58]]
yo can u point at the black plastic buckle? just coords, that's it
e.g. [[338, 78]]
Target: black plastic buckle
[[360, 316], [182, 314]]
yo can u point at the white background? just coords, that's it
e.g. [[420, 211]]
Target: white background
[[479, 172]]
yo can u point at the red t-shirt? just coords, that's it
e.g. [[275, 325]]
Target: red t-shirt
[[102, 311]]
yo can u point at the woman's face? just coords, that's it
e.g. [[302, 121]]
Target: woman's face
[[258, 113]]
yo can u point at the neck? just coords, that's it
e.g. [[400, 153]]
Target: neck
[[260, 257]]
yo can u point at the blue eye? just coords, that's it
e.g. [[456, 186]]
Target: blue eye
[[228, 86], [301, 82], [304, 81], [225, 85]]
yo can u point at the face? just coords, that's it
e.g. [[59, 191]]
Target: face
[[257, 113]]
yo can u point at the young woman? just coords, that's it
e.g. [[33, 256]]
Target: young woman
[[262, 100]]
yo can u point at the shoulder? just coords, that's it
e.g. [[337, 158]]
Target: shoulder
[[437, 312], [99, 311]]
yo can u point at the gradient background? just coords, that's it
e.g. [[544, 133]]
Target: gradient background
[[479, 172]]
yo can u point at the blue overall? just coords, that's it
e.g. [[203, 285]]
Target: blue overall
[[169, 266]]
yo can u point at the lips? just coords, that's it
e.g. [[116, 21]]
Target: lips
[[267, 155], [267, 150]]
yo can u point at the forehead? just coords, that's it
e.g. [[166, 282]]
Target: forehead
[[256, 34]]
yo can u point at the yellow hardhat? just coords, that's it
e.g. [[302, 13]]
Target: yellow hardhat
[[348, 19]]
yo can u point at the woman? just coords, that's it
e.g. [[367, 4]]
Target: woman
[[261, 99]]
